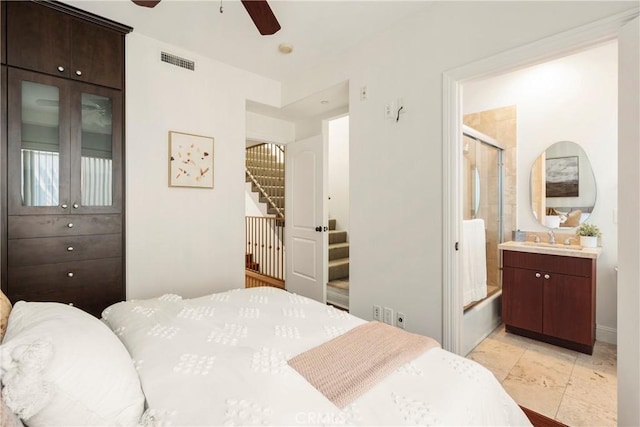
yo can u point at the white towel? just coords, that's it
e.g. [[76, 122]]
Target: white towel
[[474, 261]]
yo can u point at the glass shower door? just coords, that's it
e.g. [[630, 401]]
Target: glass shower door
[[482, 199]]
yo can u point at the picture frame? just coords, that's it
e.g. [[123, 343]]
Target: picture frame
[[562, 176], [190, 160]]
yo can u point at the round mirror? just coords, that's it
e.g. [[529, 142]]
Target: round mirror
[[563, 187]]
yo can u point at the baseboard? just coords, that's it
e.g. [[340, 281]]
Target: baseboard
[[606, 334]]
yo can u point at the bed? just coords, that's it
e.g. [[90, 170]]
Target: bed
[[221, 359]]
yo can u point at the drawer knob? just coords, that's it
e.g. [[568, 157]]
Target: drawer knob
[[78, 73], [64, 206], [76, 206], [546, 276], [70, 249], [70, 274], [537, 274], [70, 225], [60, 68]]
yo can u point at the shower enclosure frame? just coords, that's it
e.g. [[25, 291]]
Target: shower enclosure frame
[[488, 141]]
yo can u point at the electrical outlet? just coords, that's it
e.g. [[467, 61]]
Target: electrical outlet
[[401, 319], [363, 93], [376, 312], [388, 111], [387, 314]]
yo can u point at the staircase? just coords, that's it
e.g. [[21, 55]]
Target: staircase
[[265, 172], [338, 286]]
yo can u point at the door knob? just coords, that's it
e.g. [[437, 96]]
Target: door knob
[[546, 276], [537, 274], [325, 228], [319, 229], [70, 225], [70, 274]]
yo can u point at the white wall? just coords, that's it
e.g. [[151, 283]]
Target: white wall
[[181, 240], [570, 99], [252, 204], [396, 168], [338, 185], [312, 126], [262, 128]]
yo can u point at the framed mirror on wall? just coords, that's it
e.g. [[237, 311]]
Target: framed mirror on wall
[[563, 186]]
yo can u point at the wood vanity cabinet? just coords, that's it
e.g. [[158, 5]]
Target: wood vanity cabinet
[[62, 156], [550, 298]]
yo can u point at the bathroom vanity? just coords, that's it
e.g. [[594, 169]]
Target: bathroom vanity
[[549, 293]]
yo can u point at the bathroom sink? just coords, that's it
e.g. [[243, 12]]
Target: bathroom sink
[[559, 246], [558, 249]]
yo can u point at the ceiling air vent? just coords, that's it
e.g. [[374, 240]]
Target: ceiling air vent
[[177, 61]]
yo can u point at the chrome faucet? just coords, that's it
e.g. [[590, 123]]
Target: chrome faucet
[[552, 238], [536, 239]]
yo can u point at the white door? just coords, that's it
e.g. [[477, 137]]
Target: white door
[[305, 212]]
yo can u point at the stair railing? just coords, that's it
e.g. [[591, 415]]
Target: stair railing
[[265, 170], [265, 246]]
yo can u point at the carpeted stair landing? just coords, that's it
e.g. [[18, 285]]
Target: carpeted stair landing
[[338, 286]]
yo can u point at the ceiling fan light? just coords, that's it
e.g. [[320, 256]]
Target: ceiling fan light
[[285, 48]]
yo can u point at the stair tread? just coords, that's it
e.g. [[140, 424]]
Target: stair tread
[[339, 261], [338, 245], [339, 283]]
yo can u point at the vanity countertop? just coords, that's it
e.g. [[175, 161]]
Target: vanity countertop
[[556, 249]]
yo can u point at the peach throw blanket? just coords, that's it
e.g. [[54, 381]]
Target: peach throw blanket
[[347, 366]]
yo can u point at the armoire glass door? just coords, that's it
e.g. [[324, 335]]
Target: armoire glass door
[[96, 149], [38, 154]]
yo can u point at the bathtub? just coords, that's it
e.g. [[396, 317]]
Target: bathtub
[[480, 320]]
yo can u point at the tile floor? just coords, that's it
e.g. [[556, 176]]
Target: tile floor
[[573, 388]]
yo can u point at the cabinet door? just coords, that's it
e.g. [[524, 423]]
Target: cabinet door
[[3, 43], [568, 308], [38, 143], [522, 299], [37, 38], [96, 149], [97, 54]]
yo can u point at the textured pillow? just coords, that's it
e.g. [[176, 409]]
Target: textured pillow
[[62, 366], [5, 309], [573, 218]]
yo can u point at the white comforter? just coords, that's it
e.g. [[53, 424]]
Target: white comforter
[[222, 360]]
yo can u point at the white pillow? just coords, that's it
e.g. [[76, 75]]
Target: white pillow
[[62, 366]]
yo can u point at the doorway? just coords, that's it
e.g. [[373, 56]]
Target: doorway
[[302, 129], [536, 53]]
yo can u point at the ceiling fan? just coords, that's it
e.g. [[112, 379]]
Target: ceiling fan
[[259, 11]]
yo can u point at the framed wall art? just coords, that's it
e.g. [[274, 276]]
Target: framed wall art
[[562, 177], [190, 160]]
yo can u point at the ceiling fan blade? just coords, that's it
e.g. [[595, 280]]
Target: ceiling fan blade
[[262, 15], [146, 3]]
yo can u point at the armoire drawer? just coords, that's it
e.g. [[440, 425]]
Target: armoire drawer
[[52, 250], [89, 285], [29, 226]]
